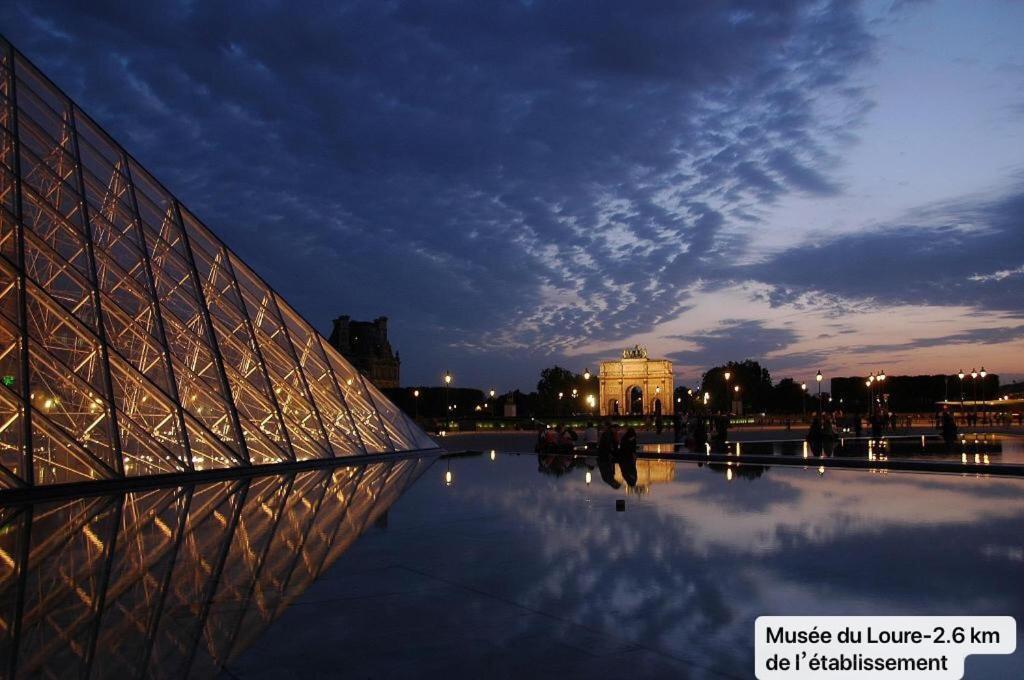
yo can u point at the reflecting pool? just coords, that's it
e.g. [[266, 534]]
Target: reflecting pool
[[496, 566]]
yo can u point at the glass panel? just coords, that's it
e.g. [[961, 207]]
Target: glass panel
[[392, 419]]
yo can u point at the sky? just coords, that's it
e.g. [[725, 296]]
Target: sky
[[834, 186]]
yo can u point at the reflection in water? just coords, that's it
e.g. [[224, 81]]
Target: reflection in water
[[178, 581]]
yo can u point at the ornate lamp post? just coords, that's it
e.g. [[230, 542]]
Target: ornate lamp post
[[416, 403], [819, 378], [803, 400], [586, 374]]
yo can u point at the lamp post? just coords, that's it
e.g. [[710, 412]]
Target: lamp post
[[881, 394], [447, 403], [818, 378], [974, 393], [416, 403], [803, 400], [494, 406], [961, 376], [727, 375], [982, 374], [736, 391], [586, 374]]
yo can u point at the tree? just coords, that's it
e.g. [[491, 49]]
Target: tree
[[557, 380], [754, 381], [787, 397]]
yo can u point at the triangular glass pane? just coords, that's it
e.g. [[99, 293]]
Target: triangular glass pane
[[151, 439], [364, 413], [391, 417], [334, 414]]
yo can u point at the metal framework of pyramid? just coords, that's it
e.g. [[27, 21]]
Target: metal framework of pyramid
[[133, 342]]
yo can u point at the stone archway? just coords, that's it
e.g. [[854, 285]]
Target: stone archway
[[635, 370], [635, 394]]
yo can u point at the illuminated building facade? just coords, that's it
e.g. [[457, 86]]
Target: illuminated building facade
[[133, 342], [636, 385]]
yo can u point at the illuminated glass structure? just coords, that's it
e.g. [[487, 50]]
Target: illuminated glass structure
[[133, 342], [175, 582]]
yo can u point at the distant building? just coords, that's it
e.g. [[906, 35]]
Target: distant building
[[365, 344]]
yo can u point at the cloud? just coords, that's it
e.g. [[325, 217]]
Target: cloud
[[733, 340], [521, 177], [932, 258]]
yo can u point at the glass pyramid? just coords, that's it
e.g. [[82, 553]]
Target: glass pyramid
[[133, 342]]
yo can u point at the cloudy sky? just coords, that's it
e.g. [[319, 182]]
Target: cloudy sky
[[515, 184]]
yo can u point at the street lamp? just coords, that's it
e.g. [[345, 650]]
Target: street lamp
[[416, 403], [974, 393], [818, 378], [961, 376], [982, 373], [447, 382], [727, 375], [803, 399], [586, 374]]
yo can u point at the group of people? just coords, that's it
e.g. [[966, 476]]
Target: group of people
[[611, 445], [698, 430]]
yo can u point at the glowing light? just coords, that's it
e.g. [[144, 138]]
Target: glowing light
[[821, 470], [728, 375], [447, 378], [492, 393], [447, 477], [589, 477], [728, 474], [818, 377], [494, 454], [586, 374], [416, 393]]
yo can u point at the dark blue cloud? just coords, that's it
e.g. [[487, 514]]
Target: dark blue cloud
[[733, 340], [505, 179], [968, 252]]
